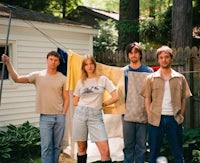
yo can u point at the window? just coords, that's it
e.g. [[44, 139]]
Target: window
[[2, 48]]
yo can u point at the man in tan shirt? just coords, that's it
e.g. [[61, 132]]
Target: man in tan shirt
[[165, 92], [52, 101]]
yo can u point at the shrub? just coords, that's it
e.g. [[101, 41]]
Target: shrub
[[19, 144]]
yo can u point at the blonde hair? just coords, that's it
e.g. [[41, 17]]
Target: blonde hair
[[166, 49], [84, 74]]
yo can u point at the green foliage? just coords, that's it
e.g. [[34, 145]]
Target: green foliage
[[196, 13], [39, 5], [63, 7], [105, 41], [157, 5], [58, 8], [157, 31], [108, 5], [191, 142], [196, 156], [192, 138], [19, 144]]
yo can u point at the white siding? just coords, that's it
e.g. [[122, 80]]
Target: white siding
[[28, 49]]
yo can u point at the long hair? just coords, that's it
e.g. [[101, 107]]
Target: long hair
[[84, 74]]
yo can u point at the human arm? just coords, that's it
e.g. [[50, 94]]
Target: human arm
[[185, 94], [146, 92], [76, 93], [14, 75], [114, 98], [75, 100], [66, 101], [183, 104], [147, 104]]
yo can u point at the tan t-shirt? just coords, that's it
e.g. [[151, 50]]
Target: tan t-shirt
[[49, 91]]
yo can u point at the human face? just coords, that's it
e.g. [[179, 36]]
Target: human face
[[134, 56], [89, 66], [165, 60], [53, 62]]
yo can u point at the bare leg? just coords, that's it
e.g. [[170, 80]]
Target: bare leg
[[104, 150], [82, 149]]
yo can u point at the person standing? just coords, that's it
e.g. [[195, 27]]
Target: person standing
[[134, 131], [88, 118], [165, 92], [52, 101]]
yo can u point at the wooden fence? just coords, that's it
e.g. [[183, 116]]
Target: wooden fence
[[187, 62]]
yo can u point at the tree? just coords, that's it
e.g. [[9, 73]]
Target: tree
[[156, 31], [62, 7], [182, 23], [39, 5], [105, 42], [54, 7], [128, 26]]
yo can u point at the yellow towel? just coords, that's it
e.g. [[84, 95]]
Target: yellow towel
[[113, 73], [116, 74], [73, 69]]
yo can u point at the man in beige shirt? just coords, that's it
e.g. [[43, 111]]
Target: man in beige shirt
[[52, 101], [165, 92]]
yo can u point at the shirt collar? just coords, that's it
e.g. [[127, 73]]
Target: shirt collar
[[173, 73]]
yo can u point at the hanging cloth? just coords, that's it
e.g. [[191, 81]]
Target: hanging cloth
[[63, 61]]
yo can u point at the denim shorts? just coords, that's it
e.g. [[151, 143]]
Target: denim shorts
[[87, 120]]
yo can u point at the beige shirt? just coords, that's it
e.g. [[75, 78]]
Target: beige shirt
[[135, 110], [49, 91], [154, 89]]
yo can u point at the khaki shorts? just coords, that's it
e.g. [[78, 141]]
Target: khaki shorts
[[87, 120]]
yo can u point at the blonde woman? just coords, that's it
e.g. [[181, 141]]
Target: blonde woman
[[88, 99]]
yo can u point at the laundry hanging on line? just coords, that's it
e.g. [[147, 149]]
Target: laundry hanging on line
[[63, 61]]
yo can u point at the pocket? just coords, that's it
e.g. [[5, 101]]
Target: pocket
[[79, 112], [156, 89]]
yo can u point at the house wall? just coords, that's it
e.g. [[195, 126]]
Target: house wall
[[27, 50]]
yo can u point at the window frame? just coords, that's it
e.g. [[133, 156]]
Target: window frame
[[8, 83]]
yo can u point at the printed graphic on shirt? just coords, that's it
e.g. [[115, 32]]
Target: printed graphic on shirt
[[91, 90]]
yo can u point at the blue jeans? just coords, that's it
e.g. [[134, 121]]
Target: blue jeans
[[51, 132], [134, 141], [173, 131]]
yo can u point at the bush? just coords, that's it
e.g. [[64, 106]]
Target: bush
[[191, 144], [19, 144]]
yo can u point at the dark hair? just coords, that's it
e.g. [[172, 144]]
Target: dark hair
[[165, 49], [136, 46], [53, 53]]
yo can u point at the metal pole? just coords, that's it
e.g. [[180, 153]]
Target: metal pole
[[5, 50]]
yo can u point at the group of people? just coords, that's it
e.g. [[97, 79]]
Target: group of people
[[164, 94]]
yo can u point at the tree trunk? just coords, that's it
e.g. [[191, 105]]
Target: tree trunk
[[128, 25], [182, 23], [64, 2]]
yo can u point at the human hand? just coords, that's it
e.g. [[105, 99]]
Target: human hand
[[4, 58]]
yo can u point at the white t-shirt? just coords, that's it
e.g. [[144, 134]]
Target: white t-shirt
[[166, 103], [92, 90]]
